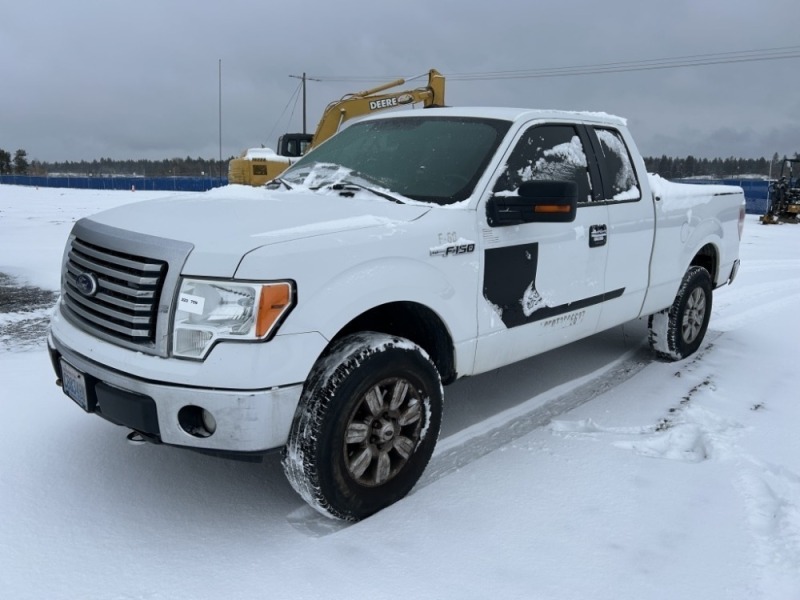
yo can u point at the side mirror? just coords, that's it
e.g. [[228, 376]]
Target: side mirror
[[535, 202]]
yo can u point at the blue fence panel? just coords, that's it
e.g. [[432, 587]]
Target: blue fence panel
[[756, 191], [178, 184]]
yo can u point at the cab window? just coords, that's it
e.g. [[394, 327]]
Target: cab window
[[547, 152], [619, 176]]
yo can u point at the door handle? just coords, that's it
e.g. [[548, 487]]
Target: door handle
[[598, 235]]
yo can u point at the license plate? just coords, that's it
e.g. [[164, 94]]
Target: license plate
[[74, 385]]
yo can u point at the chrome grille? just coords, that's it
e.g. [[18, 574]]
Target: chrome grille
[[123, 295]]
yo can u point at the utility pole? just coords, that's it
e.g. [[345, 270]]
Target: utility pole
[[219, 166], [304, 78]]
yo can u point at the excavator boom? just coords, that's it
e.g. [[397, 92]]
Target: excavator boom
[[256, 167], [370, 101]]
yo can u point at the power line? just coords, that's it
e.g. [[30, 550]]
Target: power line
[[295, 95], [624, 67], [675, 62]]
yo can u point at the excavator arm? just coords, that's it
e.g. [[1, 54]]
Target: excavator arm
[[257, 166], [370, 101]]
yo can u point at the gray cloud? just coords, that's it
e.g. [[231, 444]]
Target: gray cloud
[[90, 79]]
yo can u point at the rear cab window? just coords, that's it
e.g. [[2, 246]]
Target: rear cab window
[[616, 166]]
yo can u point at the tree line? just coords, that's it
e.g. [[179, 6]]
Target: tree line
[[666, 167], [717, 168], [107, 167]]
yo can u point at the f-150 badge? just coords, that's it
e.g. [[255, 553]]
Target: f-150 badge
[[453, 249]]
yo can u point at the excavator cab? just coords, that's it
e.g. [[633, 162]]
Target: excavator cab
[[784, 196], [294, 144]]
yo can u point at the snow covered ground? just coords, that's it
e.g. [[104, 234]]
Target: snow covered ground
[[591, 472]]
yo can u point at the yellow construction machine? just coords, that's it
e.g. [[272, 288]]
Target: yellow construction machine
[[784, 196], [256, 166]]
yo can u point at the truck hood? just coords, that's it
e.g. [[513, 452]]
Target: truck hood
[[226, 223]]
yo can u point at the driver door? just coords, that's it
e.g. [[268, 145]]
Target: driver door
[[543, 283]]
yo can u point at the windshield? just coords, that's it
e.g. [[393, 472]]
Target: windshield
[[430, 159]]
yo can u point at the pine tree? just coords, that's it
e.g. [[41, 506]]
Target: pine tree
[[20, 162], [5, 162]]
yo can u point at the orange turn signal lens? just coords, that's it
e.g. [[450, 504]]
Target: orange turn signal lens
[[552, 208], [275, 300]]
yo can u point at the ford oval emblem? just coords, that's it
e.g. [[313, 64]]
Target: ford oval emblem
[[86, 284]]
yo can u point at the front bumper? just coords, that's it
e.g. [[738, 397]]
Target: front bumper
[[247, 421]]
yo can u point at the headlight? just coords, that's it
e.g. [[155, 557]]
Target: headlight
[[209, 311]]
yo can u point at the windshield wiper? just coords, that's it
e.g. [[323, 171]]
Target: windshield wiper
[[273, 184], [350, 186]]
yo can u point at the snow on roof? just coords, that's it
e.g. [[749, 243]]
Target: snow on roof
[[267, 153], [513, 114]]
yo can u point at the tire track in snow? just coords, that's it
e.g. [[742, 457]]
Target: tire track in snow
[[468, 445], [24, 331], [691, 433], [462, 448], [772, 498], [750, 293], [753, 301], [676, 436], [24, 315]]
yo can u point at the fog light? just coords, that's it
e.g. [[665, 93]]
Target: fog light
[[209, 422], [197, 421]]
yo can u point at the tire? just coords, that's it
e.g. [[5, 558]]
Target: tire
[[678, 331], [365, 427]]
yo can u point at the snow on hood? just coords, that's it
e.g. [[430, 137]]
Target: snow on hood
[[226, 223]]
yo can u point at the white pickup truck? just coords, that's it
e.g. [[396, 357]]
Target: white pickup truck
[[321, 314]]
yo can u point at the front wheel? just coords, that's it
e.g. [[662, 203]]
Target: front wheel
[[678, 331], [366, 425]]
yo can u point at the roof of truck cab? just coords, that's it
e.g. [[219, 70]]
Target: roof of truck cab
[[510, 114]]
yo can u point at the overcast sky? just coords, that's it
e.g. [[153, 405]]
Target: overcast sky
[[104, 78]]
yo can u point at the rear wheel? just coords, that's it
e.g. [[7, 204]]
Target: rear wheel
[[677, 332], [365, 427]]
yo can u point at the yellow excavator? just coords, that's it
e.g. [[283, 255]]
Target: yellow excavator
[[256, 166]]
